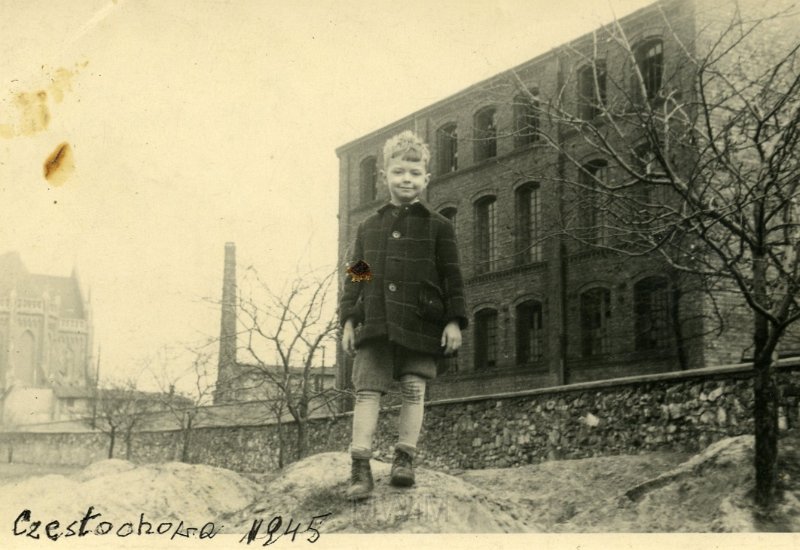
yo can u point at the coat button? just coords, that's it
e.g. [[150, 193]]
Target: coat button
[[392, 287], [396, 234]]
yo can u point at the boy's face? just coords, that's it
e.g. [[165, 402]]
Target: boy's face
[[406, 179]]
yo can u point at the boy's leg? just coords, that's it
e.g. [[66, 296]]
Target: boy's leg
[[372, 370], [412, 388], [411, 412], [365, 420]]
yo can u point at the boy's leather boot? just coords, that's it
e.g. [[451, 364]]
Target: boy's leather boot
[[360, 480], [402, 469]]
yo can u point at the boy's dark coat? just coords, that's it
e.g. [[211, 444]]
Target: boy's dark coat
[[416, 286]]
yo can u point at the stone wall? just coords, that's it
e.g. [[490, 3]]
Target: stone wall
[[682, 411]]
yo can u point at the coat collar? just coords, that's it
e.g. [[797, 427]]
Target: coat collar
[[418, 206]]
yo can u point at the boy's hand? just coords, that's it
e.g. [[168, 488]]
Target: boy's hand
[[451, 338], [349, 337]]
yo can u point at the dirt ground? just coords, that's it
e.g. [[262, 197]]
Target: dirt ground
[[648, 493]]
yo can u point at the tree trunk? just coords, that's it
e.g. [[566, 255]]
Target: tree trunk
[[128, 437], [187, 439], [281, 443], [765, 413], [302, 437], [112, 436]]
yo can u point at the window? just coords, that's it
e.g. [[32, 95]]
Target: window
[[485, 130], [369, 180], [650, 62], [591, 205], [25, 360], [447, 144], [526, 118], [528, 210], [485, 339], [591, 90], [450, 213], [595, 314], [652, 313], [485, 235], [529, 332], [646, 164]]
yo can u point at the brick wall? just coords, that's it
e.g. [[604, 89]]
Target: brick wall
[[566, 268], [676, 411]]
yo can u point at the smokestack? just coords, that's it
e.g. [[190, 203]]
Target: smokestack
[[227, 330]]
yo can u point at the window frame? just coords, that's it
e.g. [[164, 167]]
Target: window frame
[[485, 336], [592, 90], [485, 234], [650, 68], [484, 132], [368, 179], [526, 115], [594, 325], [591, 214], [647, 315], [528, 213], [530, 324], [447, 148]]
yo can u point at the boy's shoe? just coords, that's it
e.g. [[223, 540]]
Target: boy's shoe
[[360, 480], [402, 469]]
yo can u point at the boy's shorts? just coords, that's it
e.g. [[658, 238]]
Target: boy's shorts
[[379, 362]]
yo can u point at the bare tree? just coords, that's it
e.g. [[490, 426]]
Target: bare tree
[[121, 408], [294, 326], [700, 167], [185, 393]]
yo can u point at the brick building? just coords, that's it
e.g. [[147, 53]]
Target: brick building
[[45, 343], [546, 309]]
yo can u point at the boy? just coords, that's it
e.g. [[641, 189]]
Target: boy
[[406, 291]]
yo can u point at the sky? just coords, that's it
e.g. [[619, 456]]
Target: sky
[[193, 123]]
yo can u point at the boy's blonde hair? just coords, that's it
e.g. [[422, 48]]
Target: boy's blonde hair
[[406, 146]]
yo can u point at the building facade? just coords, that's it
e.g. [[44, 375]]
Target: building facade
[[548, 306], [45, 343]]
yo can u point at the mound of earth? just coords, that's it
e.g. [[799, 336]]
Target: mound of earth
[[438, 503], [551, 493], [121, 492], [655, 492], [710, 492]]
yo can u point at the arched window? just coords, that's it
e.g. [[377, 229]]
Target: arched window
[[591, 90], [651, 303], [530, 332], [25, 360], [450, 213], [447, 146], [528, 213], [650, 62], [485, 339], [369, 180], [526, 118], [485, 133], [591, 203], [485, 235], [595, 315]]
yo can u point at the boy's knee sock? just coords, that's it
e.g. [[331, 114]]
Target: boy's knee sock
[[365, 420], [411, 412]]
